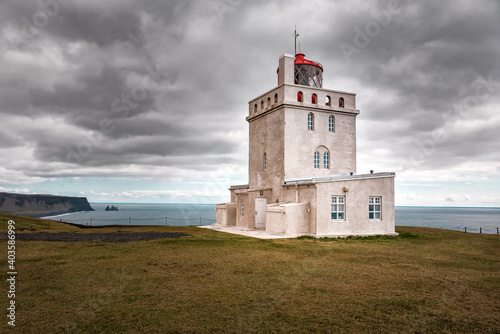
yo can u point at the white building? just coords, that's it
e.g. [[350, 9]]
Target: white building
[[302, 163]]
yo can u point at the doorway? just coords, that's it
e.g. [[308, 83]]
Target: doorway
[[260, 212]]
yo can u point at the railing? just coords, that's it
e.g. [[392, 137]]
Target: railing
[[481, 230], [91, 221]]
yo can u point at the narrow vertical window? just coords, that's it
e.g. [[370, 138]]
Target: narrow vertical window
[[255, 108], [314, 98], [341, 102], [326, 160], [338, 208], [265, 161], [276, 98], [374, 207], [316, 159], [268, 101], [310, 121], [242, 208], [328, 100], [299, 97], [261, 105], [331, 123]]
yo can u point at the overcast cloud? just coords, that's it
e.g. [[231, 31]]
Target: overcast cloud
[[157, 91]]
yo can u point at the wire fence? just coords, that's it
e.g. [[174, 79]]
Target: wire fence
[[133, 221]]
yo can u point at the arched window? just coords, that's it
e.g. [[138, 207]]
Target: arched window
[[276, 98], [321, 151], [310, 121], [265, 161], [316, 159], [255, 108], [314, 98], [328, 100], [268, 101], [341, 102], [261, 105], [299, 97], [331, 123]]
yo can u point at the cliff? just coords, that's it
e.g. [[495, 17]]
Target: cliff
[[39, 205]]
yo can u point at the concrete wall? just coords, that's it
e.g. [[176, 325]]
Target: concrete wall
[[266, 136], [356, 220], [225, 214], [288, 218], [303, 194], [275, 219], [301, 143]]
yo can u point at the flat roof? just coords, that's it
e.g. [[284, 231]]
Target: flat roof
[[336, 177]]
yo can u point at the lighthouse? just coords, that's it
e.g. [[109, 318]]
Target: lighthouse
[[302, 177]]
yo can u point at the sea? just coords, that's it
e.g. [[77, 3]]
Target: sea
[[475, 220]]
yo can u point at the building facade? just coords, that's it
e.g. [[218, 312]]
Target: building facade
[[302, 163]]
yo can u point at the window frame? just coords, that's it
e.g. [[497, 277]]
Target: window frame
[[242, 208], [316, 160], [310, 121], [336, 202], [326, 160], [331, 124], [373, 203]]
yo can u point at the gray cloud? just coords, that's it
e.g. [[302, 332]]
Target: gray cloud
[[171, 80]]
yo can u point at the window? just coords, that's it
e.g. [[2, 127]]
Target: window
[[276, 98], [242, 208], [374, 211], [328, 100], [314, 98], [338, 207], [331, 123], [321, 151], [299, 97], [265, 161], [341, 102], [255, 108], [261, 105], [268, 101], [316, 159], [310, 121]]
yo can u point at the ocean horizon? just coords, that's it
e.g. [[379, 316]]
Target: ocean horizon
[[475, 219]]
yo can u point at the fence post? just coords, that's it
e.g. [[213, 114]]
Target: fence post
[[465, 229], [497, 231], [166, 221], [480, 230]]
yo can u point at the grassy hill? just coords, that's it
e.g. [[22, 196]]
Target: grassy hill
[[424, 281]]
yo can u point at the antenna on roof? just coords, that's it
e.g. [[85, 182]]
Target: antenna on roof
[[295, 34]]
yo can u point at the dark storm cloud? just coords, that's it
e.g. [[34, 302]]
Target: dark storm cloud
[[166, 83]]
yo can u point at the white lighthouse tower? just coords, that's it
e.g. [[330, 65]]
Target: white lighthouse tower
[[302, 163]]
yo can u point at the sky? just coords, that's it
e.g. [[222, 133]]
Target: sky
[[144, 101]]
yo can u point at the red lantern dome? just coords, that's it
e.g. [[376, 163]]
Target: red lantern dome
[[308, 72]]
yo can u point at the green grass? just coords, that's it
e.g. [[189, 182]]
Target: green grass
[[423, 281]]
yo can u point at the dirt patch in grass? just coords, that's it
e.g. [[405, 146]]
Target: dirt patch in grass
[[102, 237]]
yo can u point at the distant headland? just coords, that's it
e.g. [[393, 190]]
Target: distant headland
[[36, 205]]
